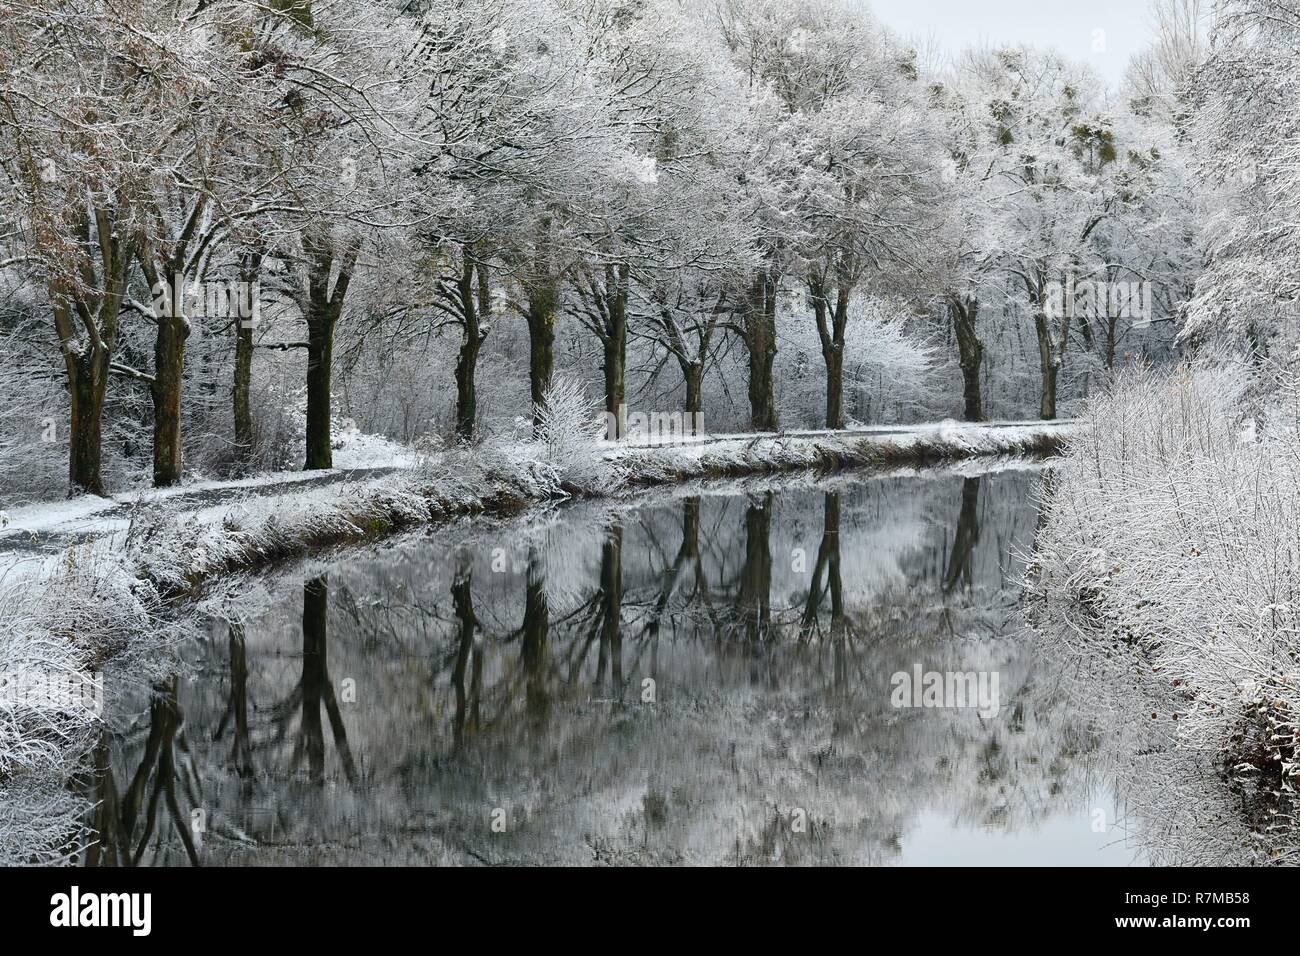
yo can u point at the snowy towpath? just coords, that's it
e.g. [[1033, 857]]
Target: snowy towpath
[[51, 526], [40, 530]]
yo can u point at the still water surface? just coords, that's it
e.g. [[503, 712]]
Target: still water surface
[[704, 678]]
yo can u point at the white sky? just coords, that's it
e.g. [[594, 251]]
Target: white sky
[[1065, 25]]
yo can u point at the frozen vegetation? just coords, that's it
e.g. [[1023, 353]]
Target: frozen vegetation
[[1171, 535]]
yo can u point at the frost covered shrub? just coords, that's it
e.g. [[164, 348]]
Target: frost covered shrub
[[59, 629], [1174, 527], [563, 453]]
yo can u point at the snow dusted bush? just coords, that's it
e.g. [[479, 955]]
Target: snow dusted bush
[[889, 367], [1175, 529], [564, 453], [59, 629]]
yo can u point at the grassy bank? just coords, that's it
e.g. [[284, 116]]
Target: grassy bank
[[177, 554]]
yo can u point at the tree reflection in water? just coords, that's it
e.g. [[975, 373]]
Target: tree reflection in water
[[679, 689]]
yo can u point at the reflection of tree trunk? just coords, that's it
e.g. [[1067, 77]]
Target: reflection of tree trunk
[[687, 552], [828, 561], [158, 763], [537, 623], [317, 690], [958, 573], [462, 600], [754, 598], [311, 741], [611, 610], [241, 754], [109, 848]]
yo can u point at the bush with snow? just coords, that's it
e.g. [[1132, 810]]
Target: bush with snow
[[1169, 533], [563, 452], [59, 631]]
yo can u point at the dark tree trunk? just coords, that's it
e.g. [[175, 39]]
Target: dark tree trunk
[[88, 380], [241, 392], [543, 302], [320, 357], [760, 341], [88, 366], [615, 342], [1048, 363], [168, 374], [472, 299], [324, 306], [834, 388], [970, 354], [693, 373], [832, 322]]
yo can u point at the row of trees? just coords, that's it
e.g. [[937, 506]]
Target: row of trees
[[669, 176]]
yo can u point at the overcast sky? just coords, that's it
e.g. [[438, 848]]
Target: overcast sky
[[1102, 33]]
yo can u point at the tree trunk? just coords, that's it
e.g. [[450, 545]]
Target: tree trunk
[[88, 366], [1048, 363], [693, 373], [970, 354], [832, 322], [168, 374], [760, 340], [87, 380], [320, 356], [324, 306], [543, 301], [834, 386], [241, 392], [467, 359], [615, 342]]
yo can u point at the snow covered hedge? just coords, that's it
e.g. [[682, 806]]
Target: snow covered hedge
[[1174, 528]]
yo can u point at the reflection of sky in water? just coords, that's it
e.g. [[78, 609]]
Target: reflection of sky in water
[[391, 704], [1063, 839]]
